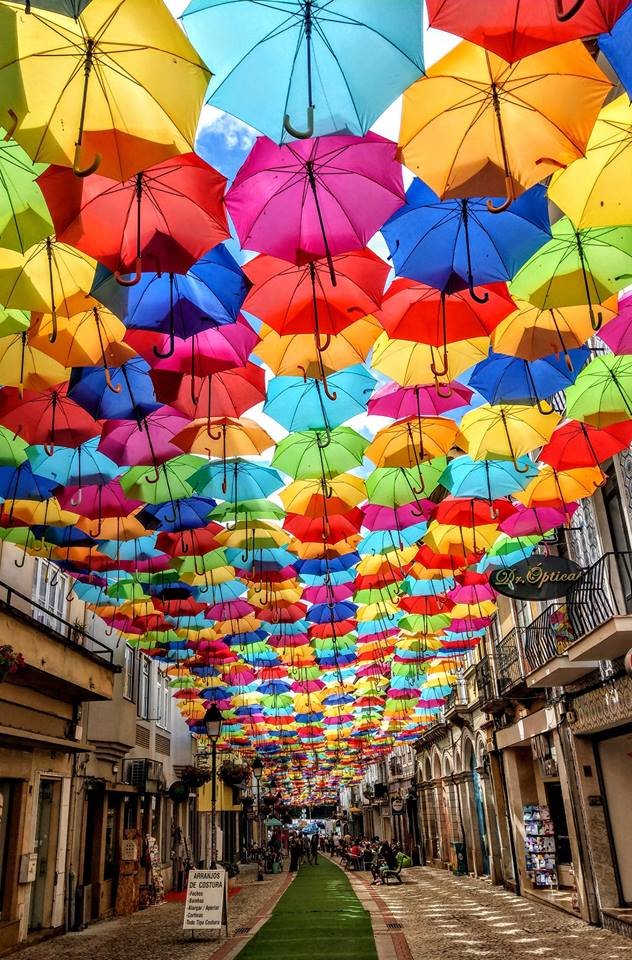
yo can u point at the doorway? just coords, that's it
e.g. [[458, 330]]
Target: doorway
[[45, 846], [480, 814], [615, 759]]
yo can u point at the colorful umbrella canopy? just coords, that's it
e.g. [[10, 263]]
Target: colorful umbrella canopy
[[475, 104]]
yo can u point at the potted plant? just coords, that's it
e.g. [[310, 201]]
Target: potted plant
[[10, 661]]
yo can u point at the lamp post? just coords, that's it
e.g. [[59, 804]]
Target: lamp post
[[257, 771], [213, 724]]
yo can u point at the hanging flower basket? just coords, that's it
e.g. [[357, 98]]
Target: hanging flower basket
[[10, 661], [233, 774], [194, 777]]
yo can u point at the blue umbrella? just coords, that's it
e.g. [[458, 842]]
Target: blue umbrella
[[63, 536], [208, 295], [143, 548], [343, 62], [74, 466], [504, 379], [617, 46], [244, 480], [299, 404], [383, 541], [321, 567], [490, 479], [452, 244], [21, 483], [89, 388], [186, 514], [325, 612]]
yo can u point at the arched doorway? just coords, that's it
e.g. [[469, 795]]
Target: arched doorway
[[479, 808]]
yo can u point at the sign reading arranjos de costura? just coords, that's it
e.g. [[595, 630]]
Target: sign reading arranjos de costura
[[537, 578], [204, 909]]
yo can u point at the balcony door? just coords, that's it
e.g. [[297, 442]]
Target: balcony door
[[614, 509]]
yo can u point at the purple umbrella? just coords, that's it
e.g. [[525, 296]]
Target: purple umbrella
[[317, 197], [528, 520], [148, 442]]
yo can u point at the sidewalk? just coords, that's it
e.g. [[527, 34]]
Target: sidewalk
[[443, 917], [156, 933]]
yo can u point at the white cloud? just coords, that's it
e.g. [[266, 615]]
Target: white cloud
[[237, 135]]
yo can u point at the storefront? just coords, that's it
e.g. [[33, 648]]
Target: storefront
[[538, 787]]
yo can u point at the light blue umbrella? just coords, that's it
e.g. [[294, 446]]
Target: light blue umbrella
[[299, 404], [321, 65], [74, 466], [244, 480], [489, 479]]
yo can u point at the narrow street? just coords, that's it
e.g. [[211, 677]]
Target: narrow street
[[441, 916]]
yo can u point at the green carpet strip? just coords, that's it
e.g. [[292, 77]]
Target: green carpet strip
[[319, 917]]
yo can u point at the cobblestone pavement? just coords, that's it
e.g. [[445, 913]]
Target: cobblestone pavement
[[156, 933], [446, 917]]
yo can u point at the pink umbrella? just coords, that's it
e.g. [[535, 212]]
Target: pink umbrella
[[147, 443], [98, 501], [325, 593], [617, 333], [289, 640], [528, 520], [387, 518], [423, 401], [208, 352], [465, 624], [229, 610], [472, 593], [317, 197]]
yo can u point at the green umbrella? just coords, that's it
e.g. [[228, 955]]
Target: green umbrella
[[13, 321], [506, 545], [128, 589], [423, 623], [12, 448], [376, 594], [396, 486], [577, 267], [200, 564], [172, 481], [602, 393], [320, 453], [248, 509], [24, 216]]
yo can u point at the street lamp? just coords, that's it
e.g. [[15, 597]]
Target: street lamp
[[257, 771], [213, 724]]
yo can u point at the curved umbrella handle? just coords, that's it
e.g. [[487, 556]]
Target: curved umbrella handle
[[84, 171], [333, 396], [49, 448], [327, 441], [321, 347], [569, 362], [440, 373], [114, 387], [75, 500], [447, 394], [517, 466], [156, 476], [169, 352], [14, 124], [300, 134], [543, 410], [510, 197], [596, 324], [120, 279], [563, 15], [475, 296]]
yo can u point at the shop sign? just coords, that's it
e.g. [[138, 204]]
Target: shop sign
[[397, 804], [537, 578], [206, 904], [179, 791]]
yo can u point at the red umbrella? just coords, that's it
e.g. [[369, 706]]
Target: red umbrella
[[422, 314], [303, 299], [162, 219], [516, 28], [325, 528], [227, 393], [49, 417], [193, 543], [580, 445], [471, 512]]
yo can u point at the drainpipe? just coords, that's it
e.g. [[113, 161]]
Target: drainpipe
[[512, 845]]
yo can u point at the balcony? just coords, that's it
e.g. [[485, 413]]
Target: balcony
[[570, 638], [509, 664], [456, 703], [61, 659]]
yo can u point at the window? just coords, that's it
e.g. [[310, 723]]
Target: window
[[49, 592], [144, 688], [129, 673], [163, 701]]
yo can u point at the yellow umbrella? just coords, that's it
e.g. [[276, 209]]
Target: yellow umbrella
[[21, 365], [119, 88], [594, 191], [506, 431], [531, 332], [311, 551], [51, 277], [408, 442], [296, 496], [92, 337], [450, 538], [411, 364], [558, 487], [259, 534], [476, 125], [39, 512], [297, 355], [223, 437]]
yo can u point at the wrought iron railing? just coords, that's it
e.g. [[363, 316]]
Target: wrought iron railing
[[604, 591], [509, 669], [485, 681], [30, 611]]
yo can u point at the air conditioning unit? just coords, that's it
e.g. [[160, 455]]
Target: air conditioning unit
[[146, 775]]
